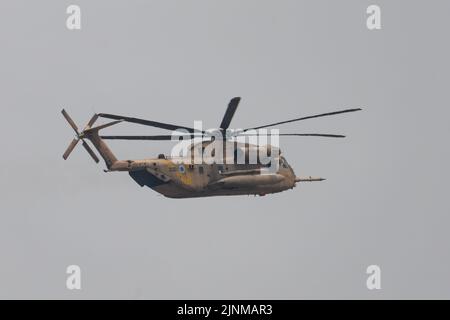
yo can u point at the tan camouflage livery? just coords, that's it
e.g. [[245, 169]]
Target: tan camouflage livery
[[181, 177]]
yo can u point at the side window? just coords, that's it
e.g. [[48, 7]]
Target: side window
[[200, 170]]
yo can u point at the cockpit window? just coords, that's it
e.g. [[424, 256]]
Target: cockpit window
[[283, 162]]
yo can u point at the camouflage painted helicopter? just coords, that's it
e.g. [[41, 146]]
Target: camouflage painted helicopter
[[182, 177]]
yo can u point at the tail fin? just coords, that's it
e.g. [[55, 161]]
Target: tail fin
[[91, 133]]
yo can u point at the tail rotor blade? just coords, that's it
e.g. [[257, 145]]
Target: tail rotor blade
[[90, 151], [91, 122], [70, 148], [70, 121]]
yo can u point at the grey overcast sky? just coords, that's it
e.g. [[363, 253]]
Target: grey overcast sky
[[385, 200]]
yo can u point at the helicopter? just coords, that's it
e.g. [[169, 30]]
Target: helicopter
[[230, 167]]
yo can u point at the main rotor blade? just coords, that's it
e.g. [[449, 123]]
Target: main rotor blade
[[304, 118], [157, 137], [169, 137], [103, 126], [327, 135], [70, 121], [70, 148], [228, 116], [90, 151], [156, 124]]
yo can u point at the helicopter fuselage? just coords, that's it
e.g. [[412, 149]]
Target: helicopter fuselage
[[175, 179]]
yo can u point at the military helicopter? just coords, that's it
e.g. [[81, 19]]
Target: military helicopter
[[220, 173]]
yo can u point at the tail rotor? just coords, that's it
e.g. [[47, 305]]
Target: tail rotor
[[79, 136]]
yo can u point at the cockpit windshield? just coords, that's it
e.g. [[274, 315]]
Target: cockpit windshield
[[283, 162]]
